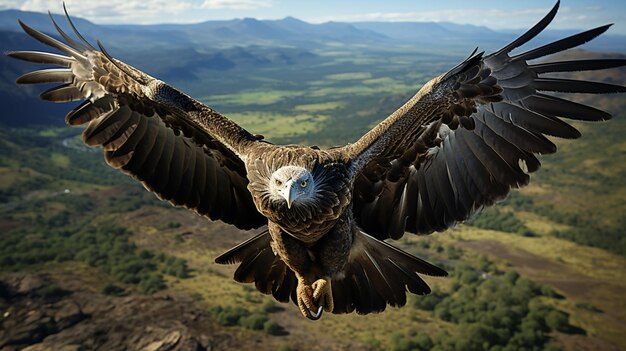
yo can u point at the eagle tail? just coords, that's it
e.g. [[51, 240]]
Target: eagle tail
[[378, 274], [259, 265]]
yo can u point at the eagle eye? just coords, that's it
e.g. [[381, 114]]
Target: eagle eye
[[304, 183]]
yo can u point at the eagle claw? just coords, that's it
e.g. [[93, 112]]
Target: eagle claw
[[323, 294], [315, 297], [304, 295], [316, 316]]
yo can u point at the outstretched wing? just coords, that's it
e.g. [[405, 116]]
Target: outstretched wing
[[469, 136], [180, 149]]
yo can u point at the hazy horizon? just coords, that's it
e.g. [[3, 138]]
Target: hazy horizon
[[574, 14]]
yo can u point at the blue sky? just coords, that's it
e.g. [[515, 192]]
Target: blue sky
[[490, 13]]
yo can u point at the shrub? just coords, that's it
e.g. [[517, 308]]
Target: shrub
[[557, 320], [228, 316], [273, 328], [254, 321], [112, 289]]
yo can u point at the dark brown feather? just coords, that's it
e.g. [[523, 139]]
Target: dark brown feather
[[149, 130], [492, 122], [377, 275]]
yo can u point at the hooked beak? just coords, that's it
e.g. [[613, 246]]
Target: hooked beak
[[289, 192]]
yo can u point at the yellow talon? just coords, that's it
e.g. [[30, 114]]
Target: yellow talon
[[323, 293]]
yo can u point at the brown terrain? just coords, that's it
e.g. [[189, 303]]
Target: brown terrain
[[36, 318]]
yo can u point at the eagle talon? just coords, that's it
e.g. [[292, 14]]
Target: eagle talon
[[304, 294], [316, 316], [323, 294]]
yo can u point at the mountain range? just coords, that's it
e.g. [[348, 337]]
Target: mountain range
[[291, 31], [183, 53]]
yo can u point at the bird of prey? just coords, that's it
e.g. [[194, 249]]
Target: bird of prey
[[461, 143]]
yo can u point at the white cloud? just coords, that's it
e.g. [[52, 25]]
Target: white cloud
[[112, 11], [10, 4], [235, 4], [494, 18], [452, 15], [137, 11]]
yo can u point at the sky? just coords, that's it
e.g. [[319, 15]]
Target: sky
[[496, 14]]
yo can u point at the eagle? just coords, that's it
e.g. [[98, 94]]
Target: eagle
[[461, 143]]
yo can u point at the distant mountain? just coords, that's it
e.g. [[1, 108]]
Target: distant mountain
[[183, 54], [429, 31], [181, 66], [291, 31], [236, 32]]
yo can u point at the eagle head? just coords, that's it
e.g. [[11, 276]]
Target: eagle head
[[292, 184]]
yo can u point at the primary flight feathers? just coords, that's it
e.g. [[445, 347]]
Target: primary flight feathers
[[461, 143]]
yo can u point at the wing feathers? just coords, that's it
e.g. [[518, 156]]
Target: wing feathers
[[554, 106], [131, 149], [177, 166], [186, 186], [507, 151], [162, 169], [76, 32], [457, 182], [491, 118], [519, 137], [148, 129], [563, 44], [576, 66], [62, 93], [530, 120], [69, 40], [125, 131], [51, 75], [531, 33], [576, 86], [41, 57], [48, 40], [148, 168], [101, 129]]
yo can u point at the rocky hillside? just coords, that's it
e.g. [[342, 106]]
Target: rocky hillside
[[44, 312]]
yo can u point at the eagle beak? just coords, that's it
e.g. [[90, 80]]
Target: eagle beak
[[289, 192]]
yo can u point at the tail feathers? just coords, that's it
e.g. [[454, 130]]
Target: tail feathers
[[245, 249], [260, 265], [378, 274]]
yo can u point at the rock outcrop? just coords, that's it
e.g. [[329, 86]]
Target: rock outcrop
[[38, 314]]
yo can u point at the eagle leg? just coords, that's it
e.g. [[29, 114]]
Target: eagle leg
[[304, 297], [323, 293]]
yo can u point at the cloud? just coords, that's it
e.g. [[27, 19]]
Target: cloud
[[235, 4], [137, 11], [112, 11], [493, 18], [10, 4]]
